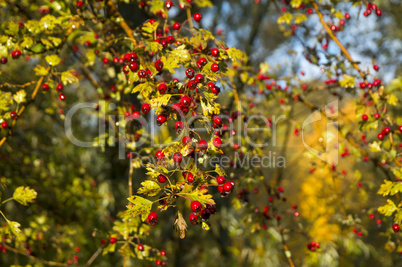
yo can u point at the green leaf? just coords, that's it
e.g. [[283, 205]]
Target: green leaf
[[53, 60], [203, 3], [236, 54], [14, 228], [385, 188], [68, 77], [285, 18], [201, 196], [19, 96], [388, 209], [144, 88], [139, 206], [24, 195], [27, 42], [181, 54], [348, 81], [392, 100], [170, 63], [40, 70], [149, 188]]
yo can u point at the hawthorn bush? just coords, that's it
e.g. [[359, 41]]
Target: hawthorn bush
[[133, 134]]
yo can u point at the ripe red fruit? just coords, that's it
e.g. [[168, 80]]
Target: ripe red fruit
[[347, 16], [142, 73], [220, 179], [396, 228], [163, 252], [203, 145], [196, 206], [190, 177], [217, 142], [161, 119], [4, 124], [192, 84], [176, 26], [215, 52], [145, 108], [3, 60], [376, 68], [185, 101], [162, 88], [227, 187], [13, 115], [364, 117], [378, 12], [113, 240], [386, 130], [190, 73], [152, 218], [162, 178], [214, 67], [199, 78], [62, 97], [178, 125], [16, 54], [159, 65], [140, 247], [168, 4], [193, 218], [133, 66], [59, 87], [205, 214], [177, 157], [79, 4], [376, 116], [380, 136], [186, 139], [159, 154], [197, 17], [45, 87]]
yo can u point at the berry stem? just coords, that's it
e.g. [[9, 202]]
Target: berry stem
[[130, 178], [336, 40], [189, 18]]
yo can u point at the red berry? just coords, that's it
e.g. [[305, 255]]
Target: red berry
[[199, 78], [79, 4], [152, 218], [186, 139], [347, 16], [159, 155], [45, 87], [112, 240], [396, 228], [168, 4], [162, 178], [227, 187], [193, 218], [16, 54], [4, 124], [185, 101], [162, 88], [190, 177], [140, 247], [217, 142], [380, 136], [215, 52], [176, 26], [378, 12], [386, 130], [163, 252], [214, 67], [159, 65], [13, 115], [197, 17], [59, 87], [190, 73], [145, 108], [178, 125], [203, 145], [177, 157], [376, 68], [142, 73], [161, 119], [3, 60], [62, 97], [364, 117], [196, 206], [205, 214], [220, 179]]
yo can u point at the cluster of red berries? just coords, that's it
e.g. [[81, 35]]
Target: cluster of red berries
[[313, 246], [59, 88], [372, 7], [199, 213]]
